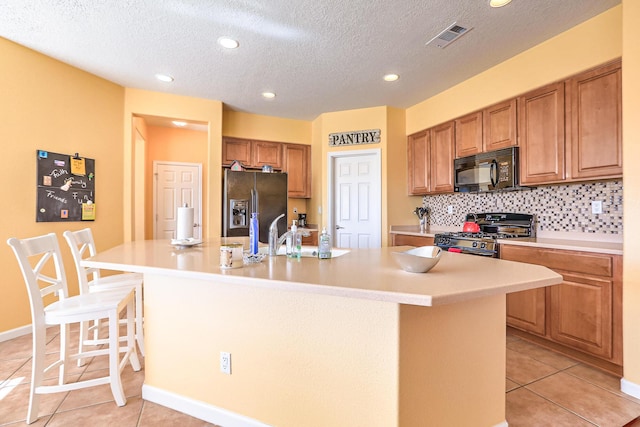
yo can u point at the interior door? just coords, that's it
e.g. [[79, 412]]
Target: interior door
[[175, 185], [356, 201]]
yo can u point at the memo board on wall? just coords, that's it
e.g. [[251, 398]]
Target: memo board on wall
[[66, 187]]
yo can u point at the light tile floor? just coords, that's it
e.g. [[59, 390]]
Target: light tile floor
[[542, 389], [548, 389]]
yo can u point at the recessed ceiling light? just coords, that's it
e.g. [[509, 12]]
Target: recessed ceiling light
[[228, 43], [499, 3], [268, 95], [179, 123], [391, 77], [164, 78]]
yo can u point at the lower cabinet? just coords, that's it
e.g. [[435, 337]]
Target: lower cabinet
[[409, 240], [583, 314]]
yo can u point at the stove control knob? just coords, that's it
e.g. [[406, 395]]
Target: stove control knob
[[484, 245], [475, 244]]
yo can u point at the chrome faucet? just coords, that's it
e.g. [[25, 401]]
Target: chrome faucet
[[274, 240]]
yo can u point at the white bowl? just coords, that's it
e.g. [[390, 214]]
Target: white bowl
[[418, 260]]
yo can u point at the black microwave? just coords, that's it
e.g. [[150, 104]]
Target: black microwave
[[491, 171]]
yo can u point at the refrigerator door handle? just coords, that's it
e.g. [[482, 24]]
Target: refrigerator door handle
[[254, 201]]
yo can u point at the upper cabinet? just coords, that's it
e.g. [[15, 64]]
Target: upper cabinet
[[236, 149], [418, 163], [442, 152], [295, 159], [469, 135], [594, 122], [499, 126], [430, 160], [490, 129], [541, 133], [572, 130], [297, 164]]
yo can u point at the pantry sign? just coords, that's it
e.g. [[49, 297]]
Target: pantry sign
[[371, 136]]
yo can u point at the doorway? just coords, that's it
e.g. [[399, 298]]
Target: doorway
[[354, 198], [174, 185]]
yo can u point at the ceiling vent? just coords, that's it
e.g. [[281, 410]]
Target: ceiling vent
[[449, 35]]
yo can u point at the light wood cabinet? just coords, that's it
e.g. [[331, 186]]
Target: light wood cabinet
[[418, 155], [410, 240], [541, 133], [295, 159], [583, 314], [430, 160], [572, 131], [469, 135], [442, 155], [266, 153], [492, 128], [297, 165], [236, 149], [252, 154], [499, 126], [594, 123]]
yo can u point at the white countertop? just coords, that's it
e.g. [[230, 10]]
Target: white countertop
[[553, 240], [362, 273]]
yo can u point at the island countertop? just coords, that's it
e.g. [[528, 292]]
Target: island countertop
[[362, 273]]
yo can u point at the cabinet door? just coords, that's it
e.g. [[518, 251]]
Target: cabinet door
[[297, 164], [267, 153], [500, 126], [442, 152], [469, 135], [582, 314], [236, 149], [409, 240], [526, 310], [418, 163], [594, 118], [541, 133]]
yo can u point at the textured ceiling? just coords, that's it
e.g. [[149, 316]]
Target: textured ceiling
[[316, 55]]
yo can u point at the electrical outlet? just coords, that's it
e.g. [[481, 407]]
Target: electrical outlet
[[225, 362], [319, 210], [450, 210], [596, 207]]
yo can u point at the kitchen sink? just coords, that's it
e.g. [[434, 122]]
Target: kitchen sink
[[308, 251]]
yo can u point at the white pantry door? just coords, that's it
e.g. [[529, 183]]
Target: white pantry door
[[174, 185], [356, 199]]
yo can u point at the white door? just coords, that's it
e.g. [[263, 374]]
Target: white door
[[176, 184], [356, 200]]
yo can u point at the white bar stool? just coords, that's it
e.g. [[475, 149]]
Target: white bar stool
[[83, 246], [35, 256]]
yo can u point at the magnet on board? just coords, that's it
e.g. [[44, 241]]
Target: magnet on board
[[64, 213], [43, 154]]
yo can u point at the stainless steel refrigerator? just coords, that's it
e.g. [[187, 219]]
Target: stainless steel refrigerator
[[247, 192]]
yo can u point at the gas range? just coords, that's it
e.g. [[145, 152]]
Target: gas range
[[493, 226]]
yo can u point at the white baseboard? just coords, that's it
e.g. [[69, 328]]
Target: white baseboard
[[15, 333], [198, 409], [632, 389]]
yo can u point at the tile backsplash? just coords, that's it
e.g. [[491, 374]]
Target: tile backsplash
[[557, 207]]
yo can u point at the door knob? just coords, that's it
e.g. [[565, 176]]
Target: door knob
[[338, 227]]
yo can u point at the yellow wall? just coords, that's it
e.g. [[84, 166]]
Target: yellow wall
[[52, 106], [266, 128], [345, 121], [174, 145], [589, 44], [139, 103], [631, 149]]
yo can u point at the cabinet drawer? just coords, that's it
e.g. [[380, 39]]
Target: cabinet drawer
[[579, 262], [406, 240]]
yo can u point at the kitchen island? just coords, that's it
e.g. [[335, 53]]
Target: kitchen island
[[350, 341]]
